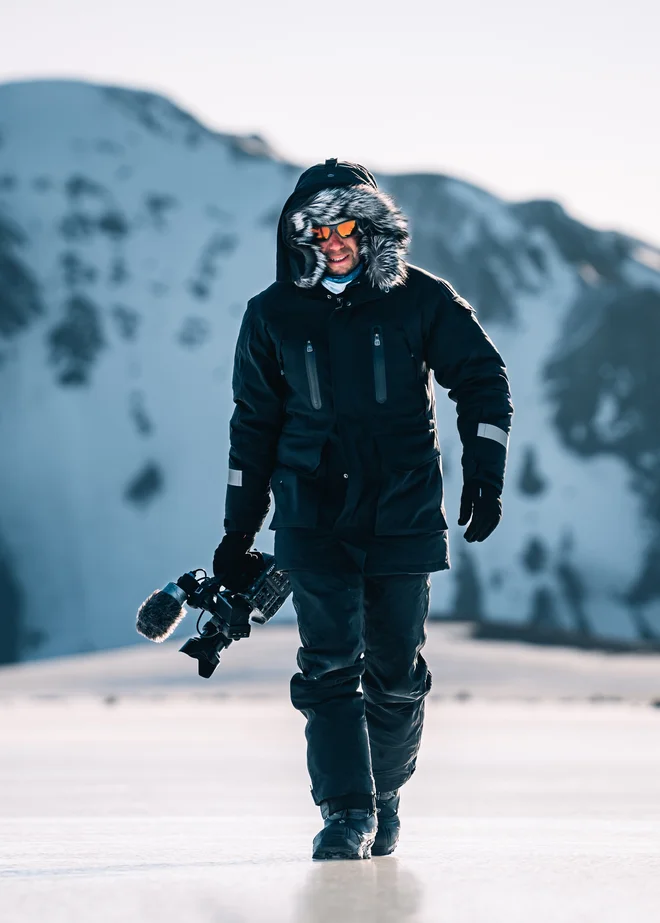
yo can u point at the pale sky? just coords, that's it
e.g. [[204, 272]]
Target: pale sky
[[555, 100]]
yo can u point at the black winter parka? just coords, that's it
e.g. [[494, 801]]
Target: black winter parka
[[337, 390]]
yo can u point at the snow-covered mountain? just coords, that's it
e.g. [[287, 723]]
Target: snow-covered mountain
[[131, 237]]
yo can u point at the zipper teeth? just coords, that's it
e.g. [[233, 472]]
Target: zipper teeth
[[312, 376], [380, 380]]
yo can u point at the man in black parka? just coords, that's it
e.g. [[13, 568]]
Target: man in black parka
[[335, 412]]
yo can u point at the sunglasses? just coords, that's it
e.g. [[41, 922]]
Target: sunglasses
[[345, 229]]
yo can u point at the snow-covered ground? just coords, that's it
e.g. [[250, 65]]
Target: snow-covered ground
[[262, 665], [131, 790]]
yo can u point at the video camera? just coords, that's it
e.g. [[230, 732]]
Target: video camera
[[231, 611]]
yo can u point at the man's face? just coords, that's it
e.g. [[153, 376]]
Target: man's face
[[341, 252]]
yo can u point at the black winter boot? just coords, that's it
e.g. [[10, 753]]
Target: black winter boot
[[387, 807], [349, 829]]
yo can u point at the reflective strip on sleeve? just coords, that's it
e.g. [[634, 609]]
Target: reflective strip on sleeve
[[489, 431], [235, 478]]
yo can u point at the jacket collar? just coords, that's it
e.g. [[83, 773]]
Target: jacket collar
[[358, 292]]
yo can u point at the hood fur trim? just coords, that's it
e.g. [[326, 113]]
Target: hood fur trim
[[383, 241]]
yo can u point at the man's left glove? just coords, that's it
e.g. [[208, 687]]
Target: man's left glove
[[234, 564], [481, 507]]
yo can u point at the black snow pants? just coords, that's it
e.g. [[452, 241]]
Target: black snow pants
[[362, 680]]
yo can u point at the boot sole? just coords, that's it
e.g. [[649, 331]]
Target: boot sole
[[324, 854]]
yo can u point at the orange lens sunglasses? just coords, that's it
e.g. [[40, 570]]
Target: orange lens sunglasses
[[345, 229]]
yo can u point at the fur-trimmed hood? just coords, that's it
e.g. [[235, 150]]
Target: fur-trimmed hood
[[326, 194]]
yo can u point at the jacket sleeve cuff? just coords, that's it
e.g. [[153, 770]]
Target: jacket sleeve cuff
[[485, 455], [247, 502]]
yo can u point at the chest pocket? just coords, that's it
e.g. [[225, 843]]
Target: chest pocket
[[378, 354], [311, 368], [301, 367], [397, 368]]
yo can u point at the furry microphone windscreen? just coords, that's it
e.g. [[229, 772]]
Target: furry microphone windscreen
[[159, 615]]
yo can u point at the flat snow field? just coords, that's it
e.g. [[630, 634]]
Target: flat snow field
[[130, 792]]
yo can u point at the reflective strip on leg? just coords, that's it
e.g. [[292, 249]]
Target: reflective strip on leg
[[235, 478], [489, 431]]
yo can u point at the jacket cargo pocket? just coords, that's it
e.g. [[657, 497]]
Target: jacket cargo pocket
[[410, 501], [295, 487]]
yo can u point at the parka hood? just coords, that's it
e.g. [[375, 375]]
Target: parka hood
[[326, 194]]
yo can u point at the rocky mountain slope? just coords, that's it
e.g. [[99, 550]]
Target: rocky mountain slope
[[131, 237]]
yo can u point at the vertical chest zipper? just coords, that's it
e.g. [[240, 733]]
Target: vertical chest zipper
[[378, 353], [312, 376]]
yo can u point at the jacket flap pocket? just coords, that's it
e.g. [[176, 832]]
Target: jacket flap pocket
[[407, 450], [297, 451]]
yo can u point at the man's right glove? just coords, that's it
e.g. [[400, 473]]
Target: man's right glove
[[234, 564], [481, 503]]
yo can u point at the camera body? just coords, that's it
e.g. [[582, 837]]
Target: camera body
[[231, 612]]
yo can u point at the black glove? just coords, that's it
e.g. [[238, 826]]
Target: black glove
[[234, 564], [482, 503]]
